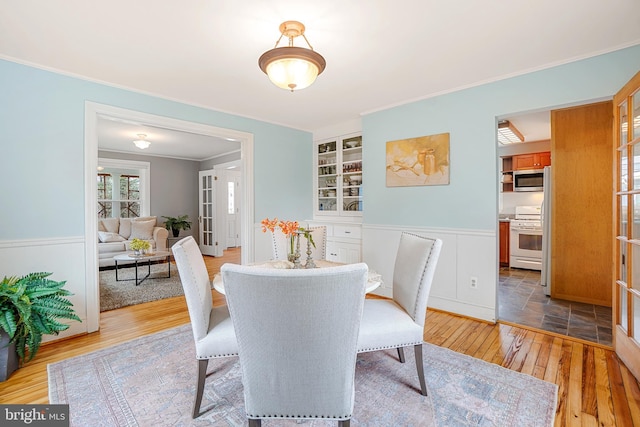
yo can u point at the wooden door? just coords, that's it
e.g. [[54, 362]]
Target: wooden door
[[626, 286], [581, 217]]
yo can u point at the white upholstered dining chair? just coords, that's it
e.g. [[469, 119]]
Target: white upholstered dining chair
[[280, 244], [399, 322], [297, 332], [212, 327]]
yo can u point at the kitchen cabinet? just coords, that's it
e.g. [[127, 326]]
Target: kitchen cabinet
[[521, 162], [338, 176], [344, 241], [531, 161], [504, 243]]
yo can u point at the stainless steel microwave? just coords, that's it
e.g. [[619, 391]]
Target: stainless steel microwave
[[529, 180]]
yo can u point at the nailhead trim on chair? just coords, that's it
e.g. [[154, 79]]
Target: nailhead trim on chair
[[415, 308], [364, 350], [336, 417], [213, 356]]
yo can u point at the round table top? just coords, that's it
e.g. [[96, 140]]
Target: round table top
[[129, 256], [373, 282]]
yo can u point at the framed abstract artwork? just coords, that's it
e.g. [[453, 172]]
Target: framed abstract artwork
[[418, 161]]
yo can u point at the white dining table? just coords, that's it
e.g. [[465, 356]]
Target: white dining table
[[374, 280]]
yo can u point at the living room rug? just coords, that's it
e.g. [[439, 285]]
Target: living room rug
[[150, 381], [157, 286]]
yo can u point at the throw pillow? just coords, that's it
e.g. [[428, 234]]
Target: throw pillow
[[109, 224], [142, 229], [145, 218], [125, 227], [106, 237]]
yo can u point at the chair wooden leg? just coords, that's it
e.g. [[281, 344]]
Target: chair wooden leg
[[420, 366], [202, 376], [400, 354], [344, 423], [255, 422]]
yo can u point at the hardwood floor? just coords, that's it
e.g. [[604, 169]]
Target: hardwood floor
[[595, 388]]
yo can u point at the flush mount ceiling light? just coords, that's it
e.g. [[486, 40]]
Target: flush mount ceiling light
[[291, 67], [508, 134], [142, 143]]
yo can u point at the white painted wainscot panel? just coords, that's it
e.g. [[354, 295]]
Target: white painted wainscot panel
[[465, 254], [64, 257]]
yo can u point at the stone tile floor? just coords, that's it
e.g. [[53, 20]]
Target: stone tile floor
[[521, 300]]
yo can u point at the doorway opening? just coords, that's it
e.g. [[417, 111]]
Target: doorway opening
[[523, 298], [93, 112]]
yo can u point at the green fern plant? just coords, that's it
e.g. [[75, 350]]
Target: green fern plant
[[30, 307]]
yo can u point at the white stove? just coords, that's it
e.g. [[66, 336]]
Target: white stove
[[526, 238], [528, 217]]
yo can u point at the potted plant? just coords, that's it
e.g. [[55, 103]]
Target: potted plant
[[176, 224], [30, 307], [139, 246]]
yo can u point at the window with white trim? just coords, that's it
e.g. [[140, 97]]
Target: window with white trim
[[122, 190]]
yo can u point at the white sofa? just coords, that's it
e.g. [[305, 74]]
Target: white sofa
[[115, 235]]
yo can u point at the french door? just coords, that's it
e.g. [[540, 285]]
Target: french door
[[626, 292], [207, 212]]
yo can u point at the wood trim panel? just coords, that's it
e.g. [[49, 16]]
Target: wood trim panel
[[581, 246]]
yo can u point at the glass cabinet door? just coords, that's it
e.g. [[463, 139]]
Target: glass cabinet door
[[338, 177], [327, 170], [352, 174]]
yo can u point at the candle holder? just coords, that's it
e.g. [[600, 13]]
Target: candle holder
[[309, 263], [296, 255]]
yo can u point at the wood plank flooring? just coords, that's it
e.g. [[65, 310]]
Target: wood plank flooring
[[595, 388]]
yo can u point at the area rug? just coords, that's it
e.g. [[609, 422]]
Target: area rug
[[150, 381], [157, 286]]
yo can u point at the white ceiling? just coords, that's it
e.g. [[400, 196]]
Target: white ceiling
[[379, 53], [118, 135]]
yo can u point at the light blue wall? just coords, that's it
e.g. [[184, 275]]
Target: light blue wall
[[470, 200], [42, 148]]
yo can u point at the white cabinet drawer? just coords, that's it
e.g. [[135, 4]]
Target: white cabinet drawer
[[347, 231], [348, 253]]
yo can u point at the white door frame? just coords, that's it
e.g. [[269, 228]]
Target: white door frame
[[236, 219], [221, 169], [92, 112]]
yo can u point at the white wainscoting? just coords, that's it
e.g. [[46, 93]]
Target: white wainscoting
[[64, 257], [465, 253]]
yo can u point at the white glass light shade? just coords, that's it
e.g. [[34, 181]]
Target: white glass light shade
[[142, 143], [292, 73], [292, 68]]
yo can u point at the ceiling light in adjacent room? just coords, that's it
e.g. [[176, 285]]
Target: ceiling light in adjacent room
[[292, 67], [508, 134], [142, 143]]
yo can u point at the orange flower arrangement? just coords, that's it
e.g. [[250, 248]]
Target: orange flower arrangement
[[289, 228]]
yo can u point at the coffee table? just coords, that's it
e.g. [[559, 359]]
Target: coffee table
[[129, 258]]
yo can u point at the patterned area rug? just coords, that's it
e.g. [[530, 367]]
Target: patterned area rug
[[123, 293], [150, 381]]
